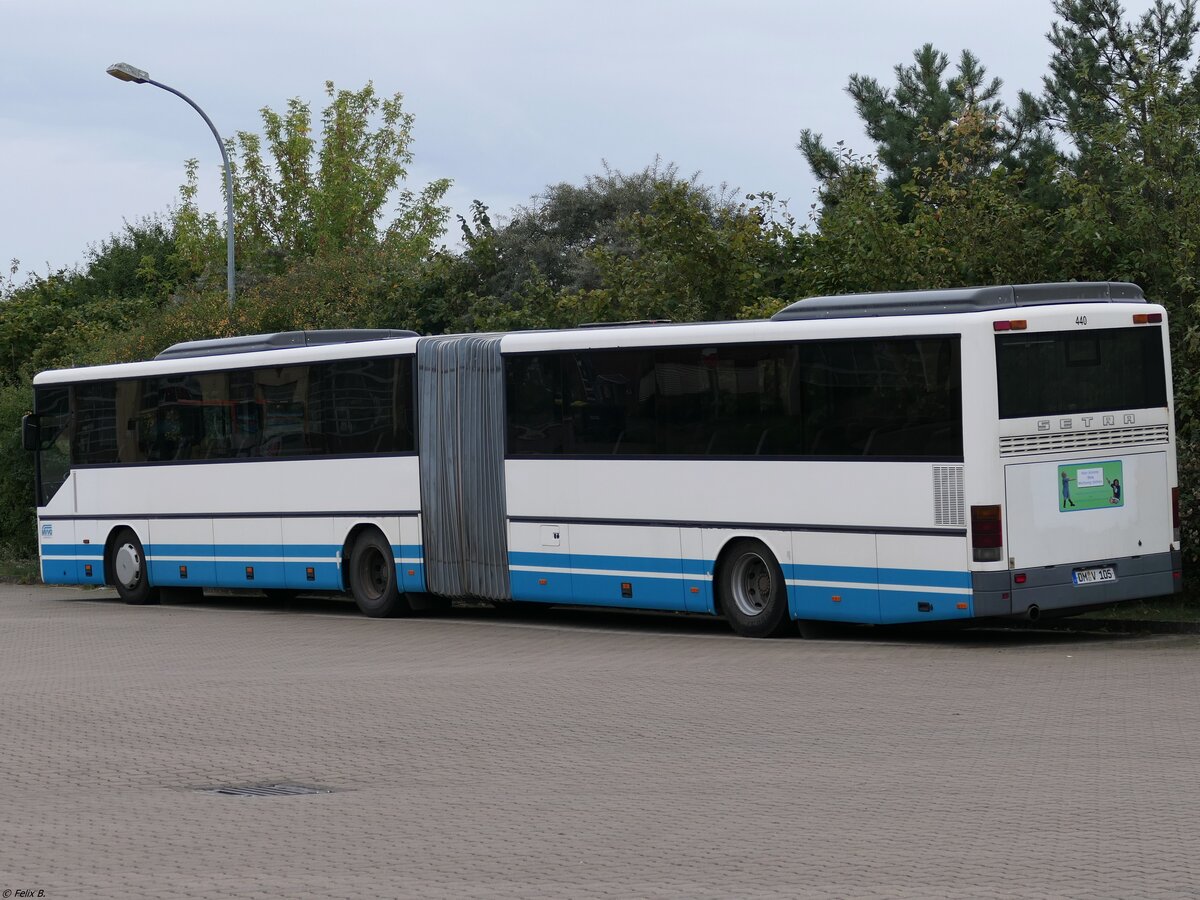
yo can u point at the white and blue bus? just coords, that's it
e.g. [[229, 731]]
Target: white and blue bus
[[876, 458]]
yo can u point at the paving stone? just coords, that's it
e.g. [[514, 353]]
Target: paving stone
[[583, 755]]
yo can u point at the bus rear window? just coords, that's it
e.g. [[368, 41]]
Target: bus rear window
[[1061, 372]]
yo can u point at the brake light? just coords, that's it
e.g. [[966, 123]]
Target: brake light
[[1010, 325], [987, 534], [1147, 318]]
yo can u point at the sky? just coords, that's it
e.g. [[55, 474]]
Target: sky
[[509, 96]]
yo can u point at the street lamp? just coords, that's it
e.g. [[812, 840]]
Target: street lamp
[[126, 72]]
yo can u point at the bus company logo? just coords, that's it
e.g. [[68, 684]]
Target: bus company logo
[[1087, 422], [47, 530]]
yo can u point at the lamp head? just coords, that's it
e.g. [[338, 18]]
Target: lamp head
[[126, 72]]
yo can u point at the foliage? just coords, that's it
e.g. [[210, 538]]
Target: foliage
[[1104, 71], [308, 199], [913, 123], [684, 260], [961, 190], [17, 519]]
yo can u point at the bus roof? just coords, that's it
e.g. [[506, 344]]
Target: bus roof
[[957, 300], [281, 340]]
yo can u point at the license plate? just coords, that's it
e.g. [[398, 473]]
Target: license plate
[[1094, 576]]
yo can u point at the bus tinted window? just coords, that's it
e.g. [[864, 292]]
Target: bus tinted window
[[94, 439], [882, 398], [53, 406], [534, 403], [347, 407], [1061, 372]]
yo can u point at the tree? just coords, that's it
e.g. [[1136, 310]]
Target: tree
[[686, 261], [533, 270], [915, 121], [307, 198], [1105, 71]]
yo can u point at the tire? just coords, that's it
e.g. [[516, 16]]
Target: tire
[[752, 591], [372, 575], [130, 574]]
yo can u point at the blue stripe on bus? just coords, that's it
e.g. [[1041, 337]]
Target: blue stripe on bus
[[598, 590], [582, 578], [834, 603], [225, 565], [541, 587], [72, 550], [873, 575], [896, 607], [567, 560]]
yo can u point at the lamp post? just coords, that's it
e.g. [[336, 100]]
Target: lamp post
[[126, 72]]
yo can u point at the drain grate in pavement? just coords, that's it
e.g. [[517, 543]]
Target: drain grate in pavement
[[266, 790]]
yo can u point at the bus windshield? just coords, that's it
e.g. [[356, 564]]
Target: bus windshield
[[1059, 372]]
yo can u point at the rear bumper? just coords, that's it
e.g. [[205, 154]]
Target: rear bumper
[[1051, 587]]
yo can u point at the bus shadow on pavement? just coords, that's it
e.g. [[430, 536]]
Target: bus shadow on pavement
[[1064, 631]]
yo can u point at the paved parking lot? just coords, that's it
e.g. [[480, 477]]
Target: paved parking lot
[[583, 755]]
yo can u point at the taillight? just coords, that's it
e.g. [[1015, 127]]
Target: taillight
[[1010, 325], [1175, 523], [987, 535]]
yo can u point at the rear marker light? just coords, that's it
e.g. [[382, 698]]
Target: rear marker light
[[249, 573], [310, 573], [987, 535], [961, 605], [541, 581], [626, 589], [183, 571], [836, 598], [695, 590], [1010, 325], [1019, 579], [412, 571], [87, 570]]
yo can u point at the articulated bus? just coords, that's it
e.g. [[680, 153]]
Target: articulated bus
[[876, 458]]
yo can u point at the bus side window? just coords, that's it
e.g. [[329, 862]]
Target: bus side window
[[53, 406], [534, 401]]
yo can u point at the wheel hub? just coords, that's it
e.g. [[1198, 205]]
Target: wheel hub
[[127, 562], [752, 584]]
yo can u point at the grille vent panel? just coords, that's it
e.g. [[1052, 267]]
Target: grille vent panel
[[948, 496], [1023, 444]]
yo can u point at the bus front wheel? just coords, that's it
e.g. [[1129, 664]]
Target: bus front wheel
[[373, 577], [131, 575], [752, 591]]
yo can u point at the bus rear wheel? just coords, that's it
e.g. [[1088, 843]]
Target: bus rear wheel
[[373, 577], [752, 591], [130, 574]]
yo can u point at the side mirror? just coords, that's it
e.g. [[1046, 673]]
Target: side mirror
[[30, 432]]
